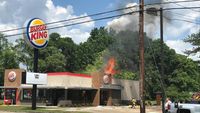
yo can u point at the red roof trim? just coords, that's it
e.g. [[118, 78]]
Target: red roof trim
[[68, 74]]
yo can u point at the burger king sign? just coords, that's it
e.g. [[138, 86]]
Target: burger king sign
[[36, 33]]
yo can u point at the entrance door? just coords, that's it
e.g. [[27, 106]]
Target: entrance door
[[10, 96], [104, 97], [54, 95]]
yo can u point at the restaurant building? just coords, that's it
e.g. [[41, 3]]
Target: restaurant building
[[95, 89]]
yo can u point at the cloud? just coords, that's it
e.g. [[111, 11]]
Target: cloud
[[180, 46], [76, 33], [19, 11], [2, 3], [9, 26]]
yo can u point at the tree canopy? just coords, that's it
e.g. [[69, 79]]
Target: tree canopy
[[181, 74], [193, 39], [8, 57]]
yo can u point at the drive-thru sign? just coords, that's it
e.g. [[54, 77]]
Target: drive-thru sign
[[36, 78]]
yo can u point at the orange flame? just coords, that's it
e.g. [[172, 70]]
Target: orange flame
[[109, 69]]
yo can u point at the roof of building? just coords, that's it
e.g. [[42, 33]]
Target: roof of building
[[68, 74]]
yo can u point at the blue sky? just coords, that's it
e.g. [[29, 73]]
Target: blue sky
[[90, 7]]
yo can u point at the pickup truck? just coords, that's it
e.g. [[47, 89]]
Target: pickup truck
[[184, 108]]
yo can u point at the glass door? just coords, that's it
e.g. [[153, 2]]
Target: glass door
[[10, 96]]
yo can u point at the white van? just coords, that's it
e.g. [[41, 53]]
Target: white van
[[184, 108]]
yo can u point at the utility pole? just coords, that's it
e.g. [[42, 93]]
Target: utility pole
[[161, 58], [141, 47], [34, 89]]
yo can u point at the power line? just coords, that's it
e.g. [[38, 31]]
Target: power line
[[76, 23], [197, 23], [103, 18], [171, 2], [92, 20], [184, 6], [174, 8], [181, 15], [101, 13], [80, 17], [184, 18]]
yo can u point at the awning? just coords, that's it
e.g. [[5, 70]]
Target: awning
[[111, 86], [49, 87], [3, 87], [42, 87], [82, 88]]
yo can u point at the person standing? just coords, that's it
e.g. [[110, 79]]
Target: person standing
[[167, 105], [133, 101]]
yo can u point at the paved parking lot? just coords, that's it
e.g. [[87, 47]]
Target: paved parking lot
[[114, 109], [104, 109]]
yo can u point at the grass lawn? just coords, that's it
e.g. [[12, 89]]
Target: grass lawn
[[28, 109]]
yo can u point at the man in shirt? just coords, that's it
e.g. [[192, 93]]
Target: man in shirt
[[167, 105]]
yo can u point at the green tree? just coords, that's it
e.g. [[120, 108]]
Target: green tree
[[87, 52], [180, 72], [50, 58], [8, 58], [96, 66], [24, 53], [193, 39], [68, 49]]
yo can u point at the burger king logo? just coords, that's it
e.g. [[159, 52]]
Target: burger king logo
[[12, 76], [106, 79], [36, 33]]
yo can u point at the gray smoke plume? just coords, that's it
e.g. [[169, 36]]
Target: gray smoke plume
[[126, 28], [131, 22]]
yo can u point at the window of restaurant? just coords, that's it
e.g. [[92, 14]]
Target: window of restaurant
[[10, 93], [41, 96], [27, 94], [53, 96], [81, 96], [116, 94], [1, 94], [116, 97]]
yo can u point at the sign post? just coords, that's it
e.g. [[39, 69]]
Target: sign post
[[36, 35], [34, 89]]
